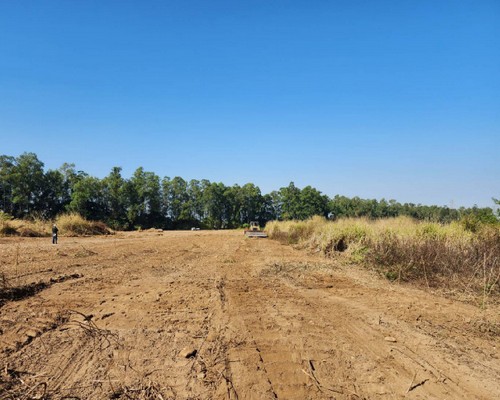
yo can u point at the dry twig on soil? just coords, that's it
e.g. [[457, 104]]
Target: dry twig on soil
[[91, 329]]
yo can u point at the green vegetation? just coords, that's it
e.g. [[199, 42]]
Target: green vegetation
[[145, 200], [456, 256]]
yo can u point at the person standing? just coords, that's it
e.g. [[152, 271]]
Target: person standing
[[54, 234]]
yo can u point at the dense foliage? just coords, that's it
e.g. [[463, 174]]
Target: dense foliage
[[145, 200]]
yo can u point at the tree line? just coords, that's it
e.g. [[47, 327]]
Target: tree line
[[145, 200]]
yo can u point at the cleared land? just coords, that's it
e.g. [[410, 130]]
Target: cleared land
[[203, 315]]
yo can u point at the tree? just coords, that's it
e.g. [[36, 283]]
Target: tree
[[195, 202], [269, 208], [290, 202], [214, 204], [250, 203], [54, 196], [116, 199], [497, 202], [312, 202], [7, 165], [485, 215], [27, 179], [231, 206], [144, 197], [89, 200], [176, 200]]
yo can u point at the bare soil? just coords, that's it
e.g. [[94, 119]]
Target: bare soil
[[215, 315]]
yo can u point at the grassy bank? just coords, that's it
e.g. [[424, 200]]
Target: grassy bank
[[458, 257], [68, 224]]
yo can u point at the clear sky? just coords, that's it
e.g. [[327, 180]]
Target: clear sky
[[378, 99]]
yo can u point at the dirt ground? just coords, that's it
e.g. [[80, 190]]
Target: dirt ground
[[215, 315]]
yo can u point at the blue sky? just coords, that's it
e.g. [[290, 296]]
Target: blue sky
[[377, 99]]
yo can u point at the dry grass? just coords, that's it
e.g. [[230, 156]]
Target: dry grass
[[68, 224], [75, 225], [26, 228], [449, 257]]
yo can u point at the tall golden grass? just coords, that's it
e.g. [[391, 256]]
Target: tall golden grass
[[26, 228], [450, 256], [71, 224], [74, 224]]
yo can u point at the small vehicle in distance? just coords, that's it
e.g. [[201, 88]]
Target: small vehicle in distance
[[255, 231]]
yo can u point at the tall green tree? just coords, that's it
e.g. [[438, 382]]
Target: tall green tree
[[71, 177], [144, 196], [231, 206], [269, 208], [251, 200], [176, 201], [54, 197], [290, 202], [195, 202], [116, 198], [214, 204], [7, 166], [88, 199], [312, 203], [27, 185]]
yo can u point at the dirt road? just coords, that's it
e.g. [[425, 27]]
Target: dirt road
[[215, 315]]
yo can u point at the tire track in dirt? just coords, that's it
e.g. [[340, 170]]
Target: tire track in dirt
[[438, 361], [214, 315], [339, 345], [16, 293]]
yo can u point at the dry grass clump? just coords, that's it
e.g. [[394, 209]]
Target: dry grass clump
[[140, 391], [6, 229], [25, 228], [450, 256], [69, 225], [293, 232], [75, 225]]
